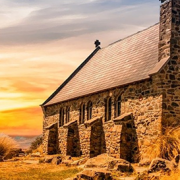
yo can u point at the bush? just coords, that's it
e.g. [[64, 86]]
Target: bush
[[6, 145], [170, 143], [167, 146], [36, 143]]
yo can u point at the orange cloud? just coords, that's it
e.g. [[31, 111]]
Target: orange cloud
[[26, 121]]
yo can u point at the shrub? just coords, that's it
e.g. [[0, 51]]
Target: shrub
[[6, 145], [170, 143], [167, 145], [36, 143]]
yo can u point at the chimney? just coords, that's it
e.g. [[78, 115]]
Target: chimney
[[169, 37]]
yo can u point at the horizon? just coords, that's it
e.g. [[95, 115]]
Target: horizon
[[43, 42]]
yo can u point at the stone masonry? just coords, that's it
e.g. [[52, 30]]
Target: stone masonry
[[147, 107], [139, 131]]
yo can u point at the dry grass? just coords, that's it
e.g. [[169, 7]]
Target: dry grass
[[6, 144], [173, 176], [170, 143], [39, 149], [22, 171], [167, 146]]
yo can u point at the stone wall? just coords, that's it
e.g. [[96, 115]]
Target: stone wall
[[140, 99], [50, 139], [73, 140]]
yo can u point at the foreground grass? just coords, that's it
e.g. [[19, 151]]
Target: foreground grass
[[20, 171], [175, 175]]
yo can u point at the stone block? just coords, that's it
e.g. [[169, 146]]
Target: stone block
[[160, 164], [56, 160]]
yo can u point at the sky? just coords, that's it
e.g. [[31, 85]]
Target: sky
[[43, 41]]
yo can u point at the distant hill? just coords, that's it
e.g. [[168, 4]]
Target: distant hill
[[24, 141]]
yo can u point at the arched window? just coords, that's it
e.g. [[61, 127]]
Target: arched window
[[118, 106], [82, 114], [67, 114], [61, 117], [89, 110], [108, 109]]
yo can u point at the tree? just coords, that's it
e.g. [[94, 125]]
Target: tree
[[36, 143]]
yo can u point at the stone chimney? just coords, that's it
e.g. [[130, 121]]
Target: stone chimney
[[169, 47], [169, 42]]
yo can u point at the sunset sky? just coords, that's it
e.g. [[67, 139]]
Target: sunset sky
[[43, 41]]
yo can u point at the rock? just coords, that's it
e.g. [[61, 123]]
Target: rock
[[120, 165], [67, 162], [177, 161], [97, 174], [37, 154], [48, 159], [14, 153], [100, 161], [145, 162], [68, 158], [109, 163], [177, 158], [31, 161], [123, 167], [147, 176], [79, 162], [21, 154], [160, 164], [56, 160], [1, 159]]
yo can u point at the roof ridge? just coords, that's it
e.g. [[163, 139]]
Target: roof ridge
[[130, 35]]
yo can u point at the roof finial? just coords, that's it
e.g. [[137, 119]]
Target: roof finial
[[97, 43]]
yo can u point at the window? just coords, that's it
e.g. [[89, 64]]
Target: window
[[118, 106], [67, 114], [89, 110], [82, 114], [108, 109], [61, 117]]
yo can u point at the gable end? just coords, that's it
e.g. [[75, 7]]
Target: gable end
[[71, 76]]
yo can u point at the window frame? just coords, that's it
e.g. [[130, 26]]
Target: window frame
[[118, 106], [61, 117], [67, 114], [82, 113], [89, 110], [108, 109]]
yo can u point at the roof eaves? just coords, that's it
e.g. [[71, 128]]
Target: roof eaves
[[157, 68], [71, 76], [107, 89]]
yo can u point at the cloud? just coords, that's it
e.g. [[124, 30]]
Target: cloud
[[22, 121], [63, 20]]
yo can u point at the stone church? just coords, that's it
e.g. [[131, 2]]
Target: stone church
[[122, 97]]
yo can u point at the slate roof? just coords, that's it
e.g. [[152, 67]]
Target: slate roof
[[123, 62]]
